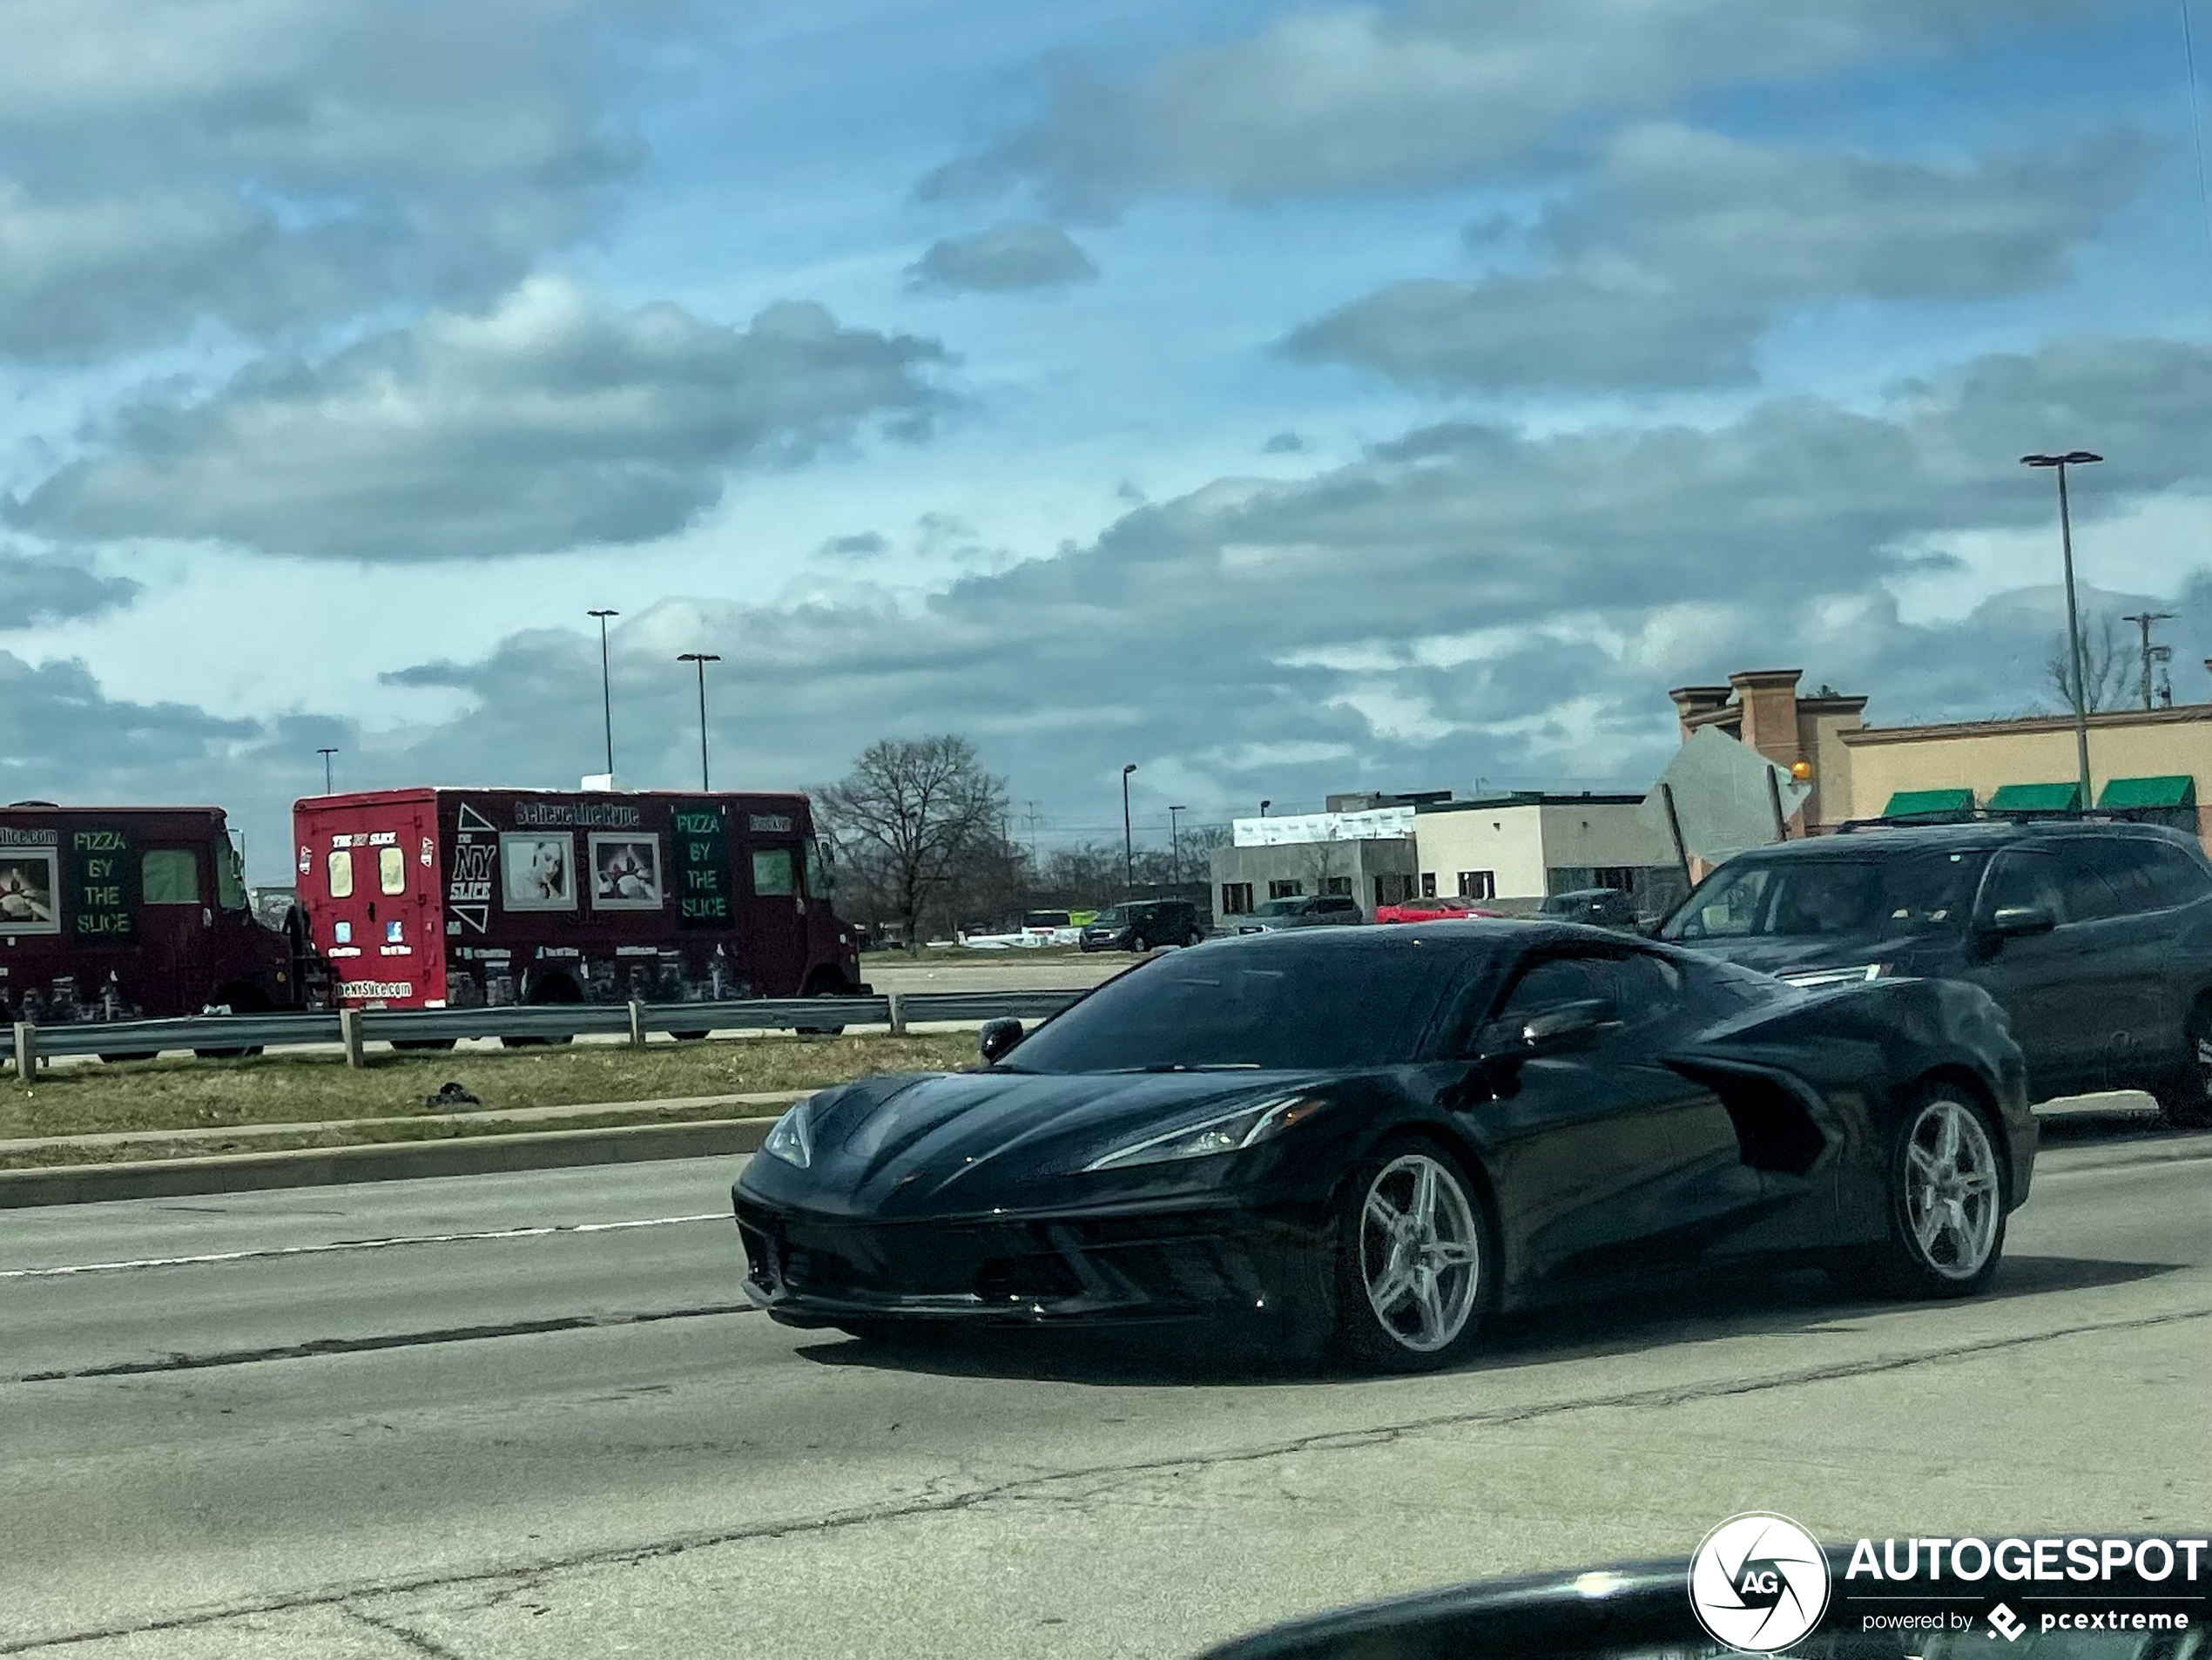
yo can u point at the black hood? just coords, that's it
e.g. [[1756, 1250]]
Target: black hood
[[935, 1144]]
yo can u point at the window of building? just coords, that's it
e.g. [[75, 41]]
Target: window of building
[[1235, 899], [1622, 878], [391, 870], [1393, 890], [775, 873], [170, 876], [1335, 885], [1285, 889], [1478, 884], [340, 866], [1428, 884]]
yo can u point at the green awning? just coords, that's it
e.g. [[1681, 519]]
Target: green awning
[[2036, 798], [2176, 791], [1906, 803]]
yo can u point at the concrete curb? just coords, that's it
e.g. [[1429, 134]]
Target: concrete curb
[[384, 1162]]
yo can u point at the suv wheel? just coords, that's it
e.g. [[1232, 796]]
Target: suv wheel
[[2185, 1096], [1139, 944]]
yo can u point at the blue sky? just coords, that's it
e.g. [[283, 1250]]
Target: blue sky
[[1602, 350]]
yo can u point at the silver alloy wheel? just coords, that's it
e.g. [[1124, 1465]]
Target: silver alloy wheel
[[1420, 1252], [1952, 1197]]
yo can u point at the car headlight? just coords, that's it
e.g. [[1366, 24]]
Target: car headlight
[[1857, 973], [791, 1137], [1228, 1133]]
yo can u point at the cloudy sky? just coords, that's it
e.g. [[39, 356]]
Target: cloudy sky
[[1284, 398]]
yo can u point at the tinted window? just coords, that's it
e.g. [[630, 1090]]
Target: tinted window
[[1638, 985], [1339, 905], [2021, 878], [2090, 879], [1292, 1008], [1281, 908], [2175, 879], [1897, 897], [170, 876], [775, 874]]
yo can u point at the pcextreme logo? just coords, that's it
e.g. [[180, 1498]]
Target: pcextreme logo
[[1758, 1583]]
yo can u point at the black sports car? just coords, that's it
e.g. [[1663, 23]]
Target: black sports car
[[1375, 1137]]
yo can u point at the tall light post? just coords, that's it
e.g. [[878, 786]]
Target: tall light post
[[325, 754], [2150, 651], [606, 689], [1128, 843], [701, 658], [1264, 806], [2072, 458], [1175, 846]]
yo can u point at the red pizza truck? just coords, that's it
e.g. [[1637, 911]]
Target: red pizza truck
[[472, 899], [135, 913]]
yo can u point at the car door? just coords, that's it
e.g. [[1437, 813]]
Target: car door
[[2032, 976], [2121, 1021], [1591, 1156]]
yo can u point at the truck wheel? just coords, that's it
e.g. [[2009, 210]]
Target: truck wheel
[[823, 988], [246, 1054], [126, 1057], [556, 990], [422, 1045], [690, 1037]]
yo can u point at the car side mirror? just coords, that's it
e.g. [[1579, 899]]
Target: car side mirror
[[1549, 1031], [2016, 922], [997, 1037]]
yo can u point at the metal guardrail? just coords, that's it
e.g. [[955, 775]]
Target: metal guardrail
[[531, 1022]]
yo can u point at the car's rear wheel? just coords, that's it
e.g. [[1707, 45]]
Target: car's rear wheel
[[2185, 1096], [1413, 1260], [1946, 1201], [1139, 944], [1195, 937]]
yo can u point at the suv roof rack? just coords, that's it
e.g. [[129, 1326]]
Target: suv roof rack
[[2000, 815]]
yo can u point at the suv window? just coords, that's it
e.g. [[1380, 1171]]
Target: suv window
[[2023, 876], [1338, 906], [1914, 892], [2174, 877], [2090, 876]]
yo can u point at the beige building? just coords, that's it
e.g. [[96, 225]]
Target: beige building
[[2158, 760], [1518, 849]]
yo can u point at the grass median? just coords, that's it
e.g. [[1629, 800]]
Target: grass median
[[279, 1089]]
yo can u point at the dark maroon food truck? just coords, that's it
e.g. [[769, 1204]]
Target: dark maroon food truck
[[135, 913], [468, 899]]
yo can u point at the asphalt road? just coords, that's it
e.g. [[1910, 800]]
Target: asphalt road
[[516, 1415]]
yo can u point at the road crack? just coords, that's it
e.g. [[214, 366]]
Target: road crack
[[430, 1648], [1102, 1479]]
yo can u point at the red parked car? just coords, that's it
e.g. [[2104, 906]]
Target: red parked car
[[1437, 907]]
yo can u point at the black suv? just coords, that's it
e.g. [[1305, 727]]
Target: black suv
[[2095, 935], [1142, 924], [1604, 908]]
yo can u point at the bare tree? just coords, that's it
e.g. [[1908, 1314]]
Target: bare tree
[[1324, 861], [908, 817], [2108, 666]]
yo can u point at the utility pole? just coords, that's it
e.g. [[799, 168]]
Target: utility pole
[[606, 691], [702, 659], [1175, 846], [325, 754], [2150, 653], [2072, 458], [1030, 820], [1128, 843]]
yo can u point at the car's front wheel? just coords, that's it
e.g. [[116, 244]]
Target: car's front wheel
[[2185, 1095], [1946, 1201], [1413, 1268], [1139, 944]]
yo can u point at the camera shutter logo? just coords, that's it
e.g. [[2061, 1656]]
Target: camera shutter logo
[[1758, 1583]]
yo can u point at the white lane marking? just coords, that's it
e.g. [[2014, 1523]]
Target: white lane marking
[[355, 1244]]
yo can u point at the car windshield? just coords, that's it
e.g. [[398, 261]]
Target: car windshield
[[1825, 897], [1108, 917], [1238, 1006], [1279, 908]]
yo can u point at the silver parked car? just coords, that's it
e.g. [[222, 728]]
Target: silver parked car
[[1323, 910]]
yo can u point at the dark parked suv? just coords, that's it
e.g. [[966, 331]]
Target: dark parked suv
[[1604, 908], [1314, 911], [2095, 935], [1142, 924]]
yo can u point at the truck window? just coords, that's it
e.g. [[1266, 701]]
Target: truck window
[[341, 865], [820, 878], [169, 876], [391, 870], [774, 873], [230, 877]]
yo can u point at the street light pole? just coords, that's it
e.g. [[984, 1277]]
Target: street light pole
[[606, 690], [1128, 844], [325, 754], [1175, 846], [701, 658], [2072, 458], [2150, 652]]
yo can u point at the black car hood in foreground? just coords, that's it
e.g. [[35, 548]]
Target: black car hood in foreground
[[939, 1144], [1642, 1611]]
